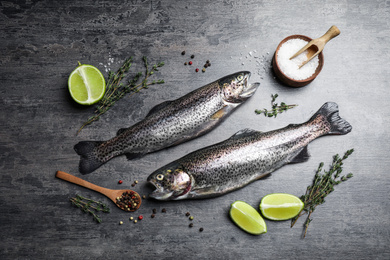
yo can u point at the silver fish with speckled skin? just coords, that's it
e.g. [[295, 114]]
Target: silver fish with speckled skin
[[245, 157], [172, 122]]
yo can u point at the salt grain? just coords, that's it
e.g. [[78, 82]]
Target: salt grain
[[291, 67]]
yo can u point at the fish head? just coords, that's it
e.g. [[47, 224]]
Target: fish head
[[235, 87], [171, 183]]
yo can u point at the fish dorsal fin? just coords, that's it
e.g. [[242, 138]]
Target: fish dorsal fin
[[302, 156], [243, 133], [158, 107]]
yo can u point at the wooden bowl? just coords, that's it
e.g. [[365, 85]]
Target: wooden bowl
[[293, 82]]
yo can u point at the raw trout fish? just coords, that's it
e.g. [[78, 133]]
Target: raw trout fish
[[243, 158], [171, 122]]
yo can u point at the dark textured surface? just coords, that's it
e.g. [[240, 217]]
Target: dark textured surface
[[40, 44]]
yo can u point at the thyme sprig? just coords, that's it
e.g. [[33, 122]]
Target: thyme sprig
[[90, 206], [116, 90], [276, 108], [322, 185]]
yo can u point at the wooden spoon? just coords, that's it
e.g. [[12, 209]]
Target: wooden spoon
[[111, 194], [316, 46]]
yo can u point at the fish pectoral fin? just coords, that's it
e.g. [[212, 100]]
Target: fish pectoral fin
[[221, 113], [131, 156], [302, 156], [203, 192], [158, 107], [264, 176], [243, 133]]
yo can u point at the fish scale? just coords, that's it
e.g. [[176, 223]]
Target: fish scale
[[245, 157], [171, 122]]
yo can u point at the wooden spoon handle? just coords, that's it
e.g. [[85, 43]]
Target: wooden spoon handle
[[73, 179], [330, 34]]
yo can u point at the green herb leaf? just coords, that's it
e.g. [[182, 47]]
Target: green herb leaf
[[89, 206], [116, 90], [322, 185], [275, 108]]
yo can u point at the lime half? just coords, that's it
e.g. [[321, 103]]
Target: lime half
[[247, 218], [280, 206], [86, 84]]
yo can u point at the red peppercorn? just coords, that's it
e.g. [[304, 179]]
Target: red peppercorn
[[140, 217], [197, 70], [120, 181], [190, 63]]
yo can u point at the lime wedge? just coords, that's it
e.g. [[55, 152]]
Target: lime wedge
[[280, 206], [247, 218], [86, 84]]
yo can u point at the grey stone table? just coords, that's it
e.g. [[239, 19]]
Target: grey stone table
[[41, 43]]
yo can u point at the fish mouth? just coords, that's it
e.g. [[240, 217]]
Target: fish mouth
[[249, 90], [247, 75], [159, 193]]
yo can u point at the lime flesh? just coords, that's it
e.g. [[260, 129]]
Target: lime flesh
[[247, 218], [86, 85], [280, 206]]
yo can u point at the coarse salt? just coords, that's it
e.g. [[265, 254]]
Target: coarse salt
[[291, 67]]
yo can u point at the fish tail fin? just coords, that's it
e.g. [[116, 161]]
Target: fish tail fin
[[89, 160], [337, 125]]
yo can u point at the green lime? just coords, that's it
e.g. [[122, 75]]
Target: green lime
[[280, 206], [86, 84], [247, 218]]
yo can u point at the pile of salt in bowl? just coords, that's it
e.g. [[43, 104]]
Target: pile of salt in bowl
[[290, 68]]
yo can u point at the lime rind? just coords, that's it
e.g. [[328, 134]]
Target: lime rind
[[247, 218]]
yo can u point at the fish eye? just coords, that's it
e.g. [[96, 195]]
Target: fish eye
[[160, 177], [240, 77]]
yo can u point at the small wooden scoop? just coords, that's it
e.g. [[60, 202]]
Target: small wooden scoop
[[316, 46], [111, 194]]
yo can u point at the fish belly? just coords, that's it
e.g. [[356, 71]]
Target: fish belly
[[240, 161]]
